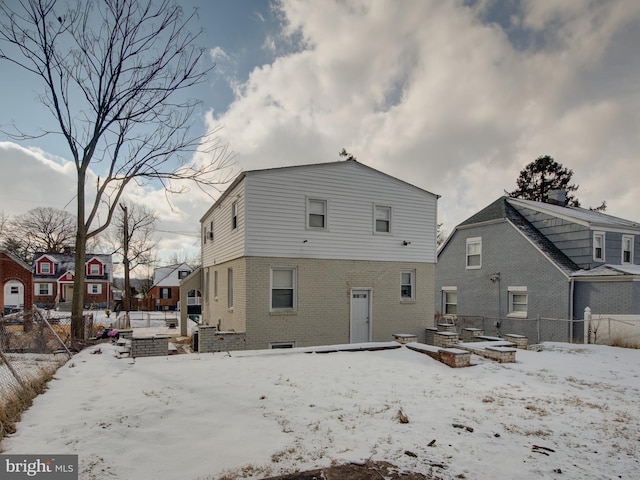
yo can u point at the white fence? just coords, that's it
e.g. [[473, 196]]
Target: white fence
[[616, 330]]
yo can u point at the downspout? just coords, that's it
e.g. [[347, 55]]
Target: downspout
[[571, 291]]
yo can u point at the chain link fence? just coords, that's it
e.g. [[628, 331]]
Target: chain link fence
[[33, 345]]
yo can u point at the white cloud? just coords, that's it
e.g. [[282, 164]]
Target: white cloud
[[432, 93]]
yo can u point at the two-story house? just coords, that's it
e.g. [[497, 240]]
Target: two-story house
[[318, 254], [54, 274], [16, 284], [165, 291], [524, 259]]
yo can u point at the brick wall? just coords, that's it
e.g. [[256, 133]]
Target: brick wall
[[149, 346], [212, 340], [323, 309], [322, 316]]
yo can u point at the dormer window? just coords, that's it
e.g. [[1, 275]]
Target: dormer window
[[94, 269], [44, 268]]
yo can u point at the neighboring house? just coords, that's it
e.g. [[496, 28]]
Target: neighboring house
[[165, 292], [318, 254], [16, 283], [53, 277], [524, 259]]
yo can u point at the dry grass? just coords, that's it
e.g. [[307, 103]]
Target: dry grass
[[624, 342], [16, 399]]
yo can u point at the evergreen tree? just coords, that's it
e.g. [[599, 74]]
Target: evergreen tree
[[542, 176]]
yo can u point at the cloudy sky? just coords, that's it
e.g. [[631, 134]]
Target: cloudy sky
[[455, 97]]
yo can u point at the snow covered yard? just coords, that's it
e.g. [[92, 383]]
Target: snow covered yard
[[569, 412]]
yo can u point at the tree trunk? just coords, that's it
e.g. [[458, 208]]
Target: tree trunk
[[77, 306]]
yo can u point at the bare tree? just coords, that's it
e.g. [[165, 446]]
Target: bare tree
[[113, 73], [42, 229]]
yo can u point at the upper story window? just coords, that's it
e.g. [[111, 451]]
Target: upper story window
[[44, 268], [207, 234], [518, 301], [598, 246], [474, 252], [234, 215], [408, 285], [382, 219], [316, 213], [450, 300], [94, 269], [183, 274], [283, 289], [627, 249]]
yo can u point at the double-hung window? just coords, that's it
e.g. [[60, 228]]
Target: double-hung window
[[165, 293], [43, 289], [283, 289], [518, 301], [382, 219], [474, 252], [94, 288], [598, 246], [450, 300], [94, 269], [408, 285], [316, 213], [45, 268], [627, 249]]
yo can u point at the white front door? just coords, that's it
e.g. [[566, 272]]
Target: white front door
[[360, 316]]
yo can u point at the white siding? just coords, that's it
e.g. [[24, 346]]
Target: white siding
[[276, 209], [227, 244]]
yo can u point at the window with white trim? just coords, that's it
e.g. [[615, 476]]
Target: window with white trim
[[15, 290], [627, 248], [408, 285], [45, 268], [474, 253], [382, 219], [43, 289], [598, 246], [94, 269], [229, 288], [316, 213], [94, 288], [518, 301], [183, 274], [234, 215], [450, 300], [283, 288]]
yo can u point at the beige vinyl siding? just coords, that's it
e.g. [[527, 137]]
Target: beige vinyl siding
[[228, 243], [276, 202]]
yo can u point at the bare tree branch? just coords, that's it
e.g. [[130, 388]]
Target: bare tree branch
[[114, 77]]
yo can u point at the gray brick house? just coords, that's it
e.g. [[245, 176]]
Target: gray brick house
[[317, 254], [522, 259]]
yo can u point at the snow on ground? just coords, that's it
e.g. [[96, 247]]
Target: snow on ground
[[202, 416]]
